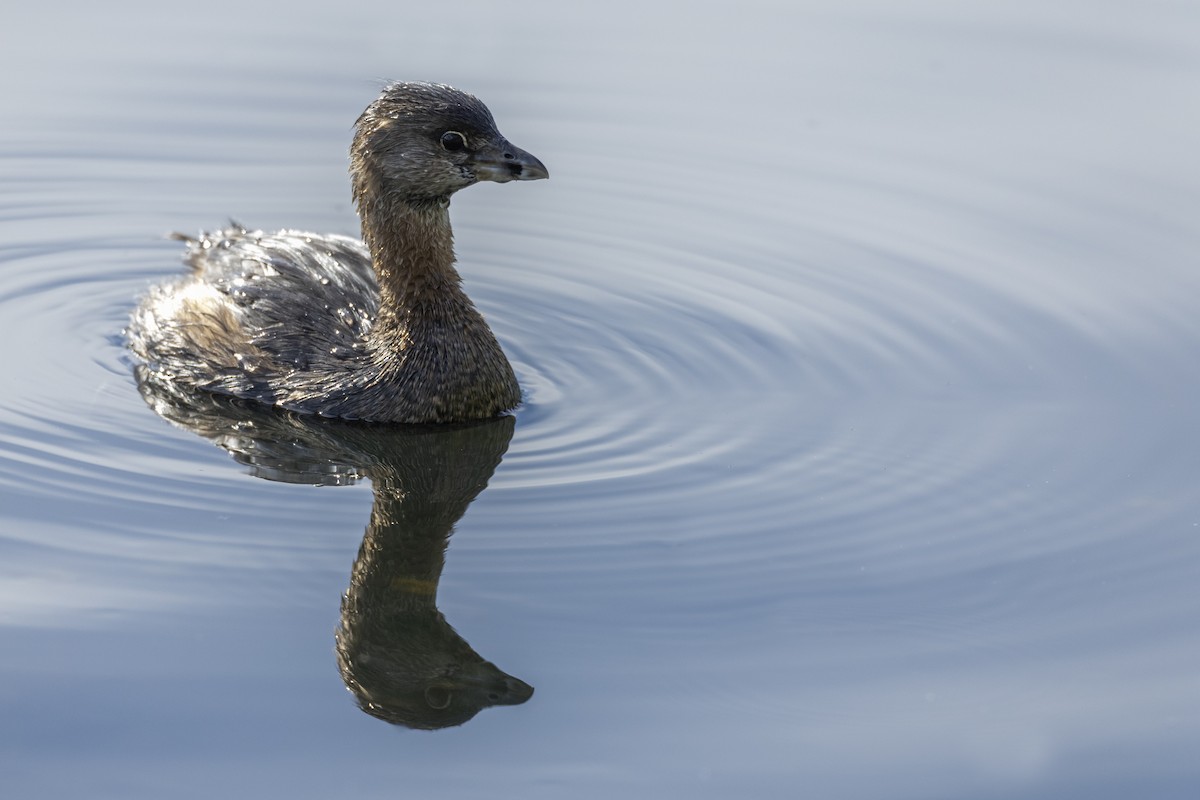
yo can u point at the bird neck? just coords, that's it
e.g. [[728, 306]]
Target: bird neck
[[412, 249]]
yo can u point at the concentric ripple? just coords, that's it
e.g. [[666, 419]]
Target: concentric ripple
[[757, 357]]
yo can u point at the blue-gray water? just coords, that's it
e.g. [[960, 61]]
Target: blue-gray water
[[862, 444]]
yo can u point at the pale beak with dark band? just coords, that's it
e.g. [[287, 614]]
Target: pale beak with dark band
[[504, 162]]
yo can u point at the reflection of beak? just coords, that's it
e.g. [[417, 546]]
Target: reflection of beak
[[500, 688], [517, 690], [503, 162]]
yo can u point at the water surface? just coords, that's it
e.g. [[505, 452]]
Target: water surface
[[860, 447]]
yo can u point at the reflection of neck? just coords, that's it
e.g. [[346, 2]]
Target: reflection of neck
[[404, 551], [419, 496]]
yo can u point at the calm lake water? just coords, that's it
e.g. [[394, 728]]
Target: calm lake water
[[861, 448]]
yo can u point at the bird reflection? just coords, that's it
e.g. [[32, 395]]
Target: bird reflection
[[395, 650]]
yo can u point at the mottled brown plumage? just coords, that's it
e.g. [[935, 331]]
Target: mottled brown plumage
[[375, 330]]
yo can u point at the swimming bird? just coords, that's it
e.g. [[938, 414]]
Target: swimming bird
[[378, 329]]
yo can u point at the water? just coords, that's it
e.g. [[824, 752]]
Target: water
[[861, 443]]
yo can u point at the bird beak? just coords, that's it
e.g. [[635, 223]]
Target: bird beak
[[503, 162]]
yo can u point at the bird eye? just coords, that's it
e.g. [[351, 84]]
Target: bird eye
[[454, 141]]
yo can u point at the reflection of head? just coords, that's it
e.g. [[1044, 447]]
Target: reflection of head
[[412, 669], [395, 650]]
